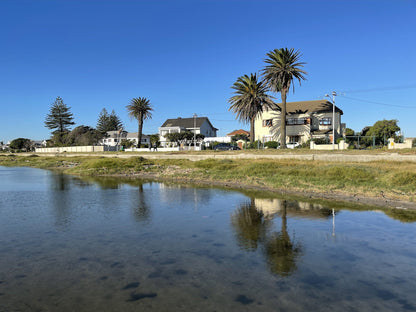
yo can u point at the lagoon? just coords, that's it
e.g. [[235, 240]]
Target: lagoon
[[71, 244]]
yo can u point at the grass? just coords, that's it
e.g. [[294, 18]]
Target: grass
[[395, 180]]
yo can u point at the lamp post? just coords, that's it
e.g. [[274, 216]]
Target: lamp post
[[334, 94], [195, 131]]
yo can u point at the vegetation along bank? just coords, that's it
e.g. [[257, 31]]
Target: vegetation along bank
[[383, 183]]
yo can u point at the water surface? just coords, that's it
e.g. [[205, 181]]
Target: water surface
[[68, 244]]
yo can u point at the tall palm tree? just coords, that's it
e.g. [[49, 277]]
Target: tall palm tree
[[249, 100], [283, 66], [140, 109]]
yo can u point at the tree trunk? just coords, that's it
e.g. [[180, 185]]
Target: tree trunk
[[252, 129], [139, 134], [283, 121]]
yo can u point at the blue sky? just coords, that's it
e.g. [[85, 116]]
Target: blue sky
[[185, 55]]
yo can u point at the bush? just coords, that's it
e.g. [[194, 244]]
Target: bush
[[255, 145], [321, 141], [271, 144], [307, 144]]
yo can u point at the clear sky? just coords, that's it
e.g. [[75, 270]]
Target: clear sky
[[184, 55]]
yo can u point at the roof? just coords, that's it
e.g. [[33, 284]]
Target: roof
[[326, 131], [240, 131], [187, 122], [317, 106], [135, 135]]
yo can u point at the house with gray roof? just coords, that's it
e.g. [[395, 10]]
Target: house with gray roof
[[114, 138], [197, 125], [304, 120]]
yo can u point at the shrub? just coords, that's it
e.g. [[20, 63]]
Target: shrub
[[271, 144], [307, 144], [321, 141]]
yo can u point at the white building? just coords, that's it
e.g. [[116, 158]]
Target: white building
[[197, 125], [114, 138]]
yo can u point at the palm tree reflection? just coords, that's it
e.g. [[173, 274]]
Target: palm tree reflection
[[141, 210], [279, 249], [250, 225], [253, 230]]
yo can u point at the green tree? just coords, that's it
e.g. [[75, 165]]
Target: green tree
[[174, 137], [140, 109], [83, 136], [238, 137], [126, 143], [250, 100], [102, 122], [154, 139], [383, 130], [21, 144], [283, 66], [108, 122], [114, 122], [349, 133], [59, 117]]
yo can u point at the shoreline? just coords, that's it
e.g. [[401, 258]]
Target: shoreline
[[382, 202], [363, 183]]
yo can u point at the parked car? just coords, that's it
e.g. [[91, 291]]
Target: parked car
[[292, 144], [225, 147]]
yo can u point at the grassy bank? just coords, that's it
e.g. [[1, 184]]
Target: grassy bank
[[383, 180]]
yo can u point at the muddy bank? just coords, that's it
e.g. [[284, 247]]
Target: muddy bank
[[381, 201]]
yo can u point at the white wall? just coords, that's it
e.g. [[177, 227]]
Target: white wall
[[70, 149]]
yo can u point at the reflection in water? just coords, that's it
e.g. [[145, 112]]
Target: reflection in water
[[153, 247], [61, 183], [281, 252], [253, 229], [250, 225], [141, 210]]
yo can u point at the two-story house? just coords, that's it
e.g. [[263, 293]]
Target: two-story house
[[304, 120], [114, 138], [197, 125]]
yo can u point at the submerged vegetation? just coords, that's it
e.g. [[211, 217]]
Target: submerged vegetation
[[389, 180]]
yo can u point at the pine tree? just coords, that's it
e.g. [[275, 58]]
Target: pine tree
[[114, 122], [103, 121], [108, 122], [59, 117]]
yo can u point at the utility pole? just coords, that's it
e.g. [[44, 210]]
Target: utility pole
[[195, 131], [334, 94]]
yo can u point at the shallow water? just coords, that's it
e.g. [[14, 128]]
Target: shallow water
[[73, 245]]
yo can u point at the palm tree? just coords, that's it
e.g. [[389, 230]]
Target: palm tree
[[140, 109], [283, 67], [249, 100]]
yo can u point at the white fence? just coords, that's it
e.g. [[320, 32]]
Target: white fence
[[341, 146], [72, 149]]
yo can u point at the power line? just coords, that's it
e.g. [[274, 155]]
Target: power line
[[411, 86], [378, 103]]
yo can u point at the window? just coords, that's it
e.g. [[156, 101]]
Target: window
[[267, 122], [326, 121], [296, 121]]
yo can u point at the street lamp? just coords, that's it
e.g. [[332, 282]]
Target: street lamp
[[334, 94], [195, 131]]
